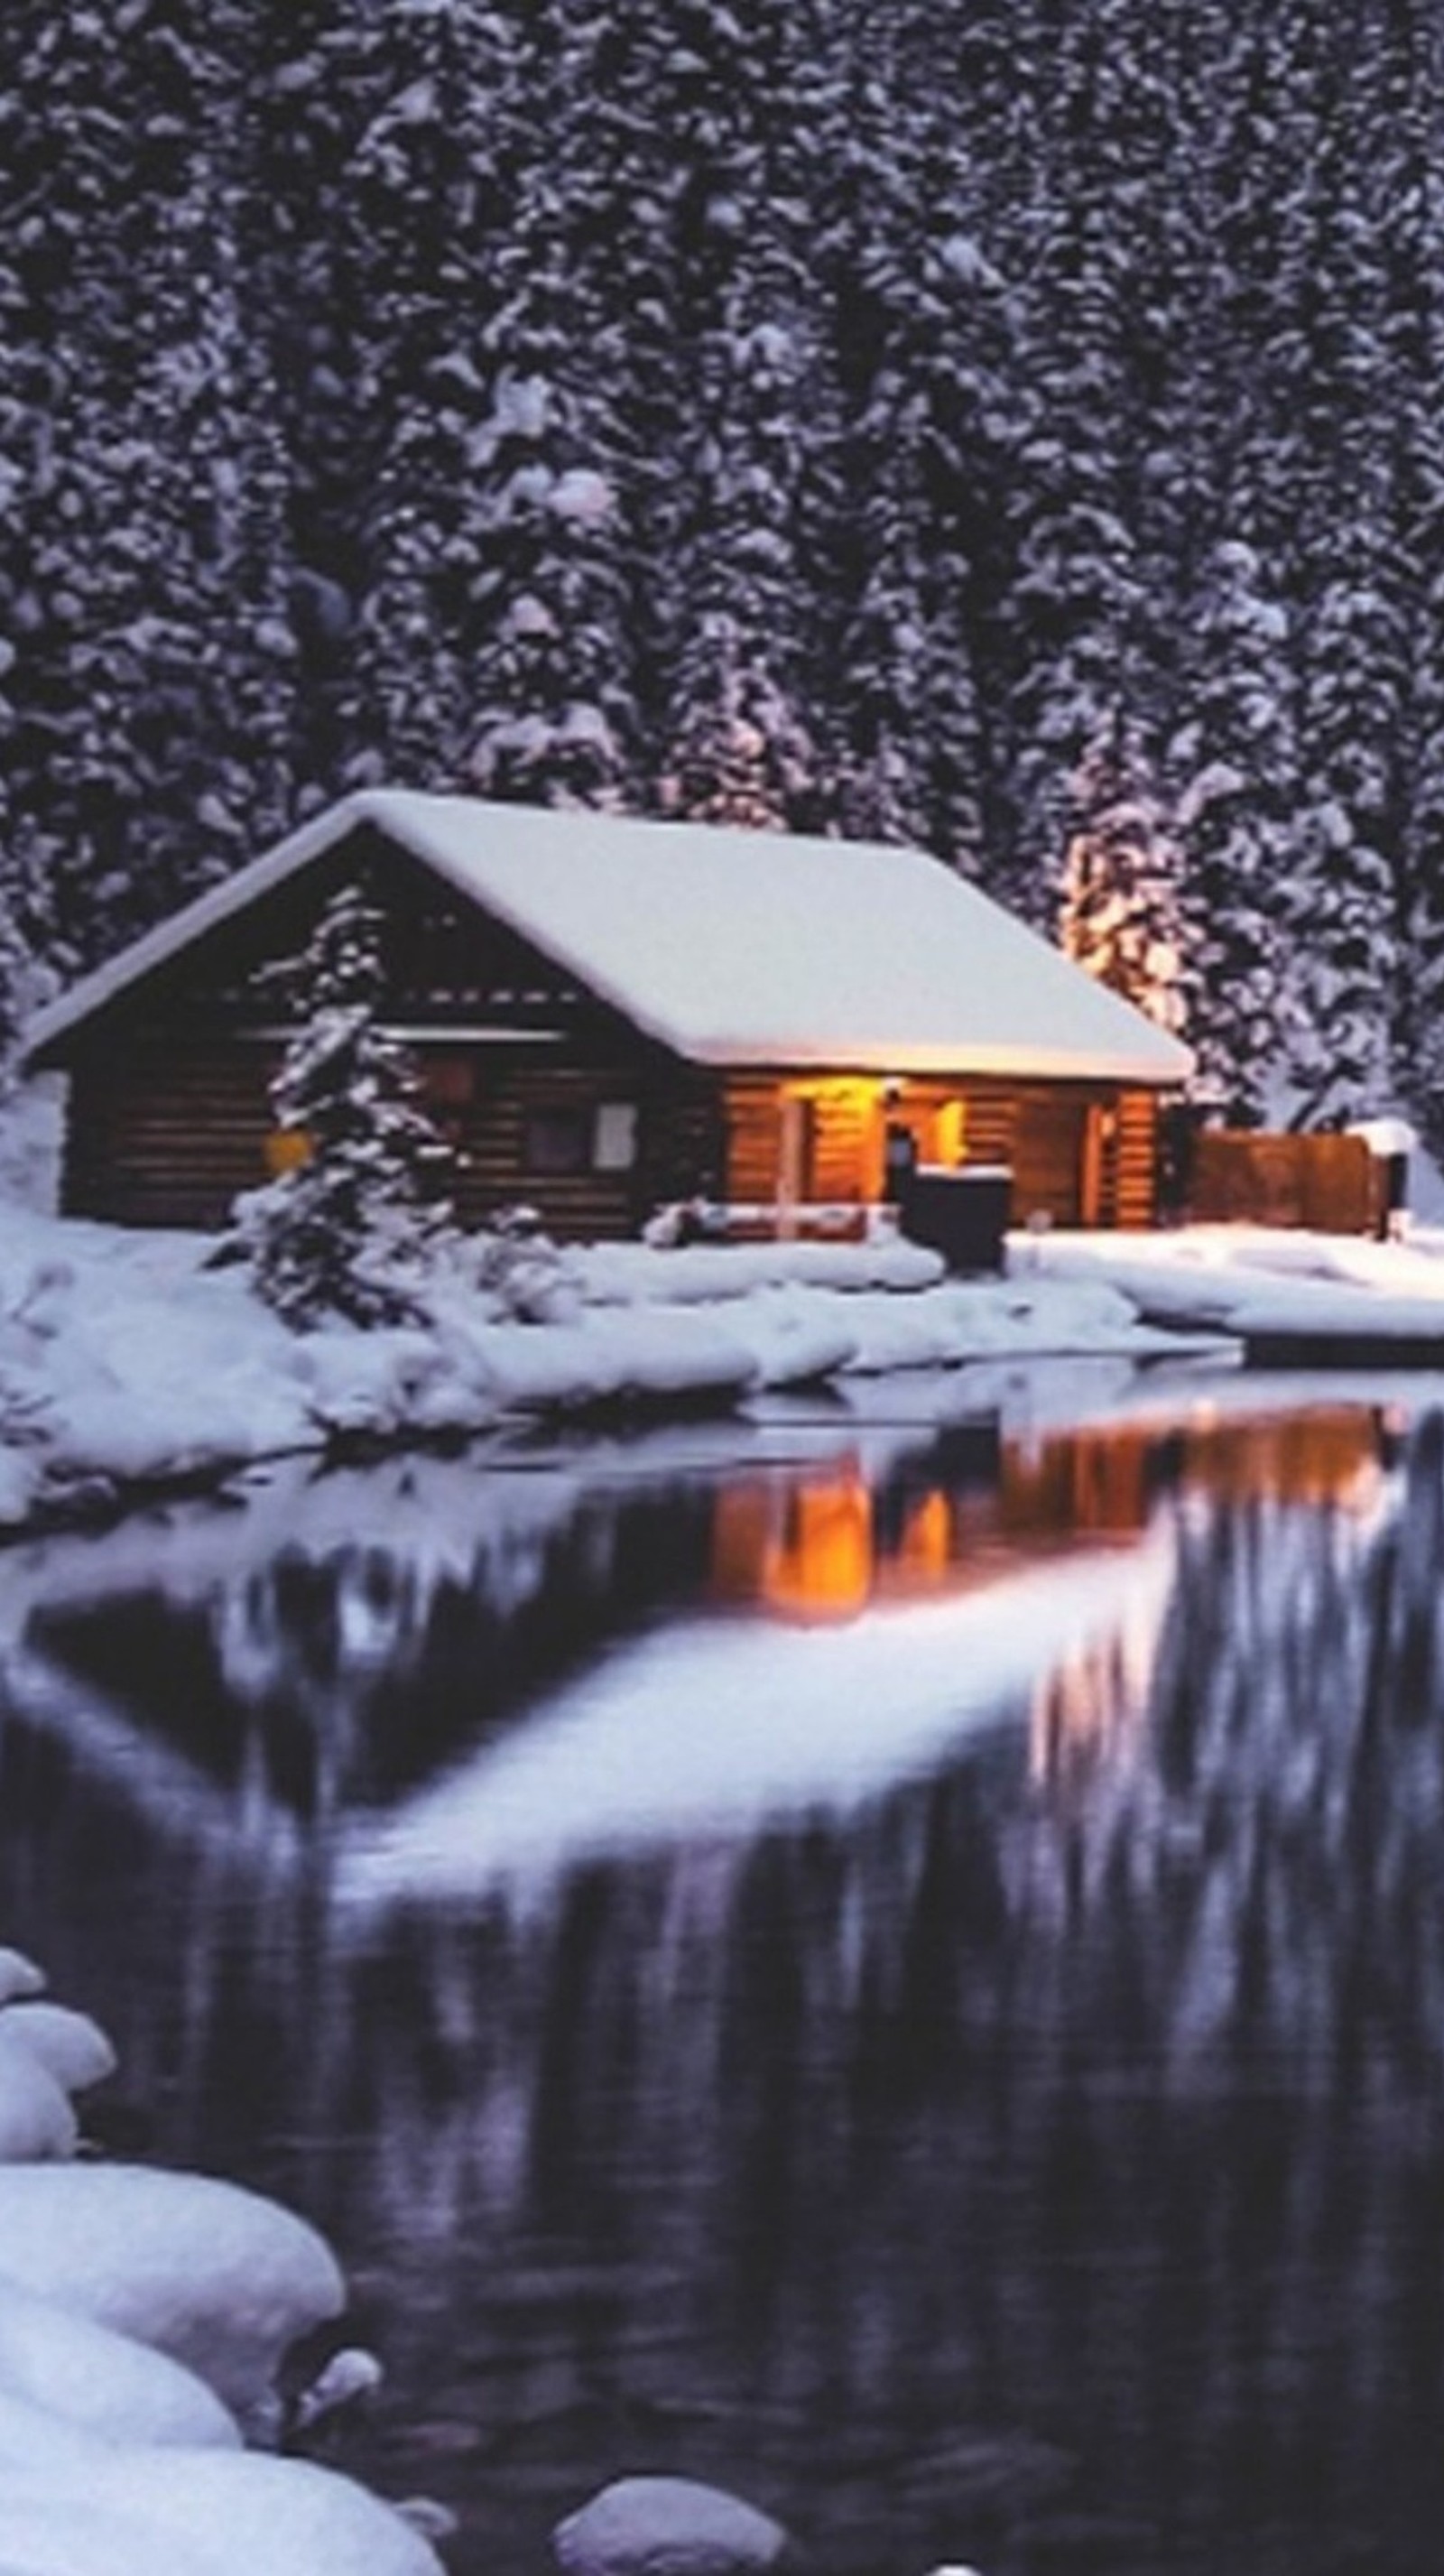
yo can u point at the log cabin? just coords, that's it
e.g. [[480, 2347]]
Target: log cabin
[[611, 1014]]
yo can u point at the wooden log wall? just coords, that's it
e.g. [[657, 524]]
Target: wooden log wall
[[1080, 1154], [168, 1126], [494, 1170], [1135, 1175], [167, 1135]]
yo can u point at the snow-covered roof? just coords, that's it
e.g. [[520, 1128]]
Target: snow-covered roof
[[732, 947]]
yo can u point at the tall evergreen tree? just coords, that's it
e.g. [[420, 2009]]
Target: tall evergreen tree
[[422, 184], [1351, 583], [1073, 628], [738, 734], [350, 1228], [922, 330], [1416, 195], [1232, 761], [1119, 916], [553, 713], [151, 680]]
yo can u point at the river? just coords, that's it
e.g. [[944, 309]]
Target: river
[[893, 1964]]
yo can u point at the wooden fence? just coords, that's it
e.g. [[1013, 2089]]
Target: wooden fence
[[1330, 1183]]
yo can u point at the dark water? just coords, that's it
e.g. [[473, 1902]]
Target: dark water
[[901, 1973]]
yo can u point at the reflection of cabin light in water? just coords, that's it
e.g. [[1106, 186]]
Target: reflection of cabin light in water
[[926, 1546], [816, 1551], [821, 1565]]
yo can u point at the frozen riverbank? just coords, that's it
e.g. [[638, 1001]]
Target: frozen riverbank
[[126, 1361]]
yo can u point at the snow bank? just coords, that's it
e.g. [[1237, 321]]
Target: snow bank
[[137, 2310], [126, 1360], [202, 2510], [221, 2280], [101, 2382], [1253, 1280]]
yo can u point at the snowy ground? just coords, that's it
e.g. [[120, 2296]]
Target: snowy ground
[[143, 2317], [124, 1360], [1256, 1281]]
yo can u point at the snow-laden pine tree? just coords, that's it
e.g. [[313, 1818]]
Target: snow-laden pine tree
[[1072, 627], [391, 380], [921, 325], [578, 356], [552, 716], [1231, 764], [1119, 915], [353, 1227], [1418, 366], [147, 546], [1343, 921], [1352, 583], [739, 738]]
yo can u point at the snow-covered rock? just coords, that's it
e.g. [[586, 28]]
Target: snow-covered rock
[[48, 2532], [73, 2049], [118, 2456], [36, 2119], [19, 1976], [218, 2278], [200, 2513], [667, 2527], [99, 2382]]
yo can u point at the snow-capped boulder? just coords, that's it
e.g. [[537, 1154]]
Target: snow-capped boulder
[[99, 2382], [19, 1976], [215, 2276], [72, 2048], [47, 2533], [36, 2119], [667, 2527], [203, 2513]]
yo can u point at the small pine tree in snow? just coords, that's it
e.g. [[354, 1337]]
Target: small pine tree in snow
[[350, 1230], [1119, 916]]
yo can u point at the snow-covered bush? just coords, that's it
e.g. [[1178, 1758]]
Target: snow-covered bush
[[518, 1269]]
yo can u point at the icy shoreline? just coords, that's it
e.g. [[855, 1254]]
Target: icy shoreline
[[128, 1364], [144, 2316]]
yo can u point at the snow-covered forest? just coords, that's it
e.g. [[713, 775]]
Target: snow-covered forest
[[974, 421]]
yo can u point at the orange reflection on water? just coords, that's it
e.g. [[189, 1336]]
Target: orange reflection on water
[[827, 1546]]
